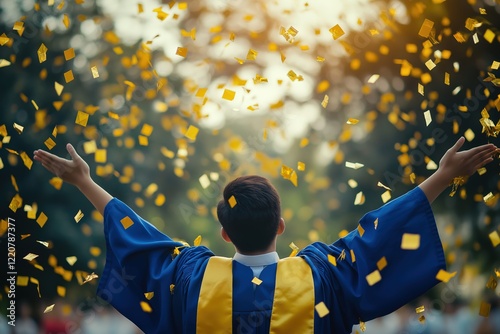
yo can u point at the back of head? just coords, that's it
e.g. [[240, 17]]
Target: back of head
[[253, 222]]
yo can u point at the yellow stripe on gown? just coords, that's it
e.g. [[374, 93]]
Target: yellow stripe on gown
[[293, 306]]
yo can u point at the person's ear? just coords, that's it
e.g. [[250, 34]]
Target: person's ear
[[224, 235], [281, 227]]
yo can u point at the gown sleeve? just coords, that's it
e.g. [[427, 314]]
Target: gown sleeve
[[139, 259], [404, 275]]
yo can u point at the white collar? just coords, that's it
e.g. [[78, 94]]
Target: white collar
[[257, 260]]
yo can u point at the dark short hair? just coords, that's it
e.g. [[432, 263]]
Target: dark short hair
[[253, 222]]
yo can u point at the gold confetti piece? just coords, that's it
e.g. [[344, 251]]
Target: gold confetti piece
[[204, 181], [488, 197], [18, 128], [66, 20], [373, 278], [301, 166], [89, 278], [252, 54], [95, 251], [492, 283], [181, 51], [445, 276], [58, 87], [381, 185], [410, 241], [386, 196], [431, 165], [82, 118], [146, 307], [353, 165], [430, 64], [78, 216], [446, 78], [352, 121], [24, 236], [336, 32], [34, 104], [30, 257], [56, 182], [126, 222], [484, 309], [71, 260], [22, 280], [50, 143], [68, 76], [332, 260], [232, 201], [100, 156], [149, 295], [352, 183], [293, 76], [42, 53], [495, 65], [382, 263], [37, 283], [426, 28], [360, 198], [362, 326], [421, 319], [95, 72], [49, 308], [324, 103], [353, 256], [4, 63], [495, 238], [420, 89], [69, 54], [294, 248], [44, 243], [321, 309], [289, 174], [489, 35], [172, 288], [228, 94], [90, 147], [197, 241], [256, 281], [191, 132], [361, 230], [475, 38], [26, 160], [420, 309], [61, 291], [42, 219], [373, 78], [428, 118], [4, 39]]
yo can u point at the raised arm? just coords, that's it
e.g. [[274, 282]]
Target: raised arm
[[76, 172], [454, 164]]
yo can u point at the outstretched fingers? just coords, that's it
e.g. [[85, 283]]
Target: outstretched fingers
[[482, 154], [473, 152]]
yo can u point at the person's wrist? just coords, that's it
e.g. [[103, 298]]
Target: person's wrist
[[84, 182], [443, 177]]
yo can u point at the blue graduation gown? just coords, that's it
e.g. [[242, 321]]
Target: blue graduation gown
[[140, 259]]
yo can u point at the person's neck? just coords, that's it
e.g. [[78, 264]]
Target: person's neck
[[271, 248]]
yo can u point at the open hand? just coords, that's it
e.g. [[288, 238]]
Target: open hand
[[74, 171], [465, 163]]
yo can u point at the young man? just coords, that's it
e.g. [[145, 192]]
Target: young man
[[164, 286]]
